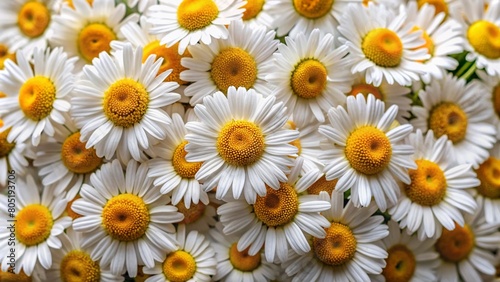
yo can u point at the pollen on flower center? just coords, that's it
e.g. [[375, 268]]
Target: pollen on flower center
[[496, 99], [94, 39], [242, 260], [365, 89], [368, 150], [240, 143], [450, 119], [233, 67], [400, 264], [5, 147], [193, 213], [4, 55], [34, 223], [77, 158], [428, 184], [313, 9], [33, 19], [277, 207], [338, 247], [182, 167], [489, 175], [196, 14], [171, 59], [383, 47], [125, 102], [36, 97], [309, 79], [125, 217], [252, 9], [484, 36], [78, 266], [455, 245], [439, 5], [322, 185], [179, 266]]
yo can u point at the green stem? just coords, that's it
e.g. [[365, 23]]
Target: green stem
[[469, 72], [464, 68]]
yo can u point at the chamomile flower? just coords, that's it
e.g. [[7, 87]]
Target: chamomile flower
[[13, 156], [125, 222], [37, 97], [188, 22], [237, 60], [199, 217], [39, 221], [448, 7], [118, 104], [382, 44], [489, 89], [365, 153], [310, 75], [308, 144], [6, 50], [256, 14], [450, 108], [487, 193], [241, 141]]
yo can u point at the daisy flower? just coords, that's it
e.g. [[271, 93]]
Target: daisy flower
[[365, 153], [37, 97], [189, 21], [382, 44], [256, 14], [308, 144], [487, 193], [193, 260], [450, 108], [13, 156], [38, 275], [351, 250], [448, 7], [124, 221], [199, 217], [310, 75], [237, 60], [6, 51], [39, 221], [118, 104], [489, 88]]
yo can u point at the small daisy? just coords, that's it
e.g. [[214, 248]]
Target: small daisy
[[450, 108], [235, 61], [199, 217], [13, 156], [382, 44], [308, 144], [6, 51], [257, 14], [191, 21], [118, 104], [124, 221], [487, 193], [365, 153], [448, 7], [37, 97], [193, 260], [310, 75], [489, 88]]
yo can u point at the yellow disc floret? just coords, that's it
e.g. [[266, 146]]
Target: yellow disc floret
[[69, 210], [233, 67], [252, 9], [94, 39], [322, 185], [182, 167], [171, 59], [368, 150], [383, 47], [10, 276], [338, 247], [4, 55], [365, 89], [313, 9], [77, 158], [240, 143], [309, 79], [277, 207], [125, 217], [5, 146], [126, 102], [489, 175], [33, 19], [428, 184], [196, 14], [448, 118], [242, 260], [455, 245], [36, 97], [484, 36], [77, 266], [400, 264], [439, 5], [179, 266], [34, 223], [192, 214]]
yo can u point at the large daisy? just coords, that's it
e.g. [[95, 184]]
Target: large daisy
[[241, 141], [118, 104], [487, 193], [365, 153]]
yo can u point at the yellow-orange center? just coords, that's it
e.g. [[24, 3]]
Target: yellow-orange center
[[489, 175], [196, 14], [400, 264], [338, 247], [179, 266], [313, 9], [242, 260], [5, 55], [448, 118], [309, 79], [33, 19], [429, 43], [77, 158], [36, 97], [484, 36], [496, 99], [383, 47], [77, 266], [233, 67], [5, 146], [455, 245], [366, 89], [428, 184], [171, 59], [439, 5], [126, 102], [277, 207], [94, 39], [240, 143], [368, 150], [33, 224], [193, 213], [9, 276], [182, 167], [252, 9], [322, 185], [69, 211]]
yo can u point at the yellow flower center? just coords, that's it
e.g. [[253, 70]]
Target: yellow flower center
[[484, 36], [338, 247], [5, 147], [125, 102], [400, 264], [366, 89], [179, 266], [309, 79], [383, 47], [252, 9], [141, 276], [33, 19], [94, 39], [313, 9], [34, 223], [182, 167], [242, 260], [69, 211], [298, 145], [428, 184], [489, 175], [455, 245], [322, 185], [368, 150], [171, 59], [36, 97], [240, 143], [277, 207], [192, 214], [4, 55], [77, 158], [429, 44], [196, 14], [125, 217], [70, 3], [9, 276], [77, 266], [233, 67], [439, 5], [496, 99], [450, 119]]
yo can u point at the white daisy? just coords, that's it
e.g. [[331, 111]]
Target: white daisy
[[191, 21], [308, 144], [13, 156], [257, 14], [488, 87], [487, 193], [7, 51], [199, 217], [365, 153], [450, 8], [37, 97], [124, 221], [118, 104]]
